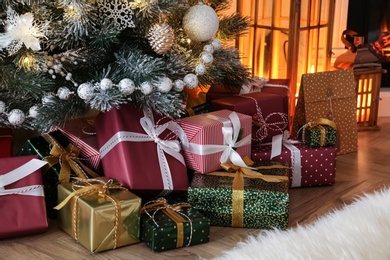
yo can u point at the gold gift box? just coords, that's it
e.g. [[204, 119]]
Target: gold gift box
[[92, 222]]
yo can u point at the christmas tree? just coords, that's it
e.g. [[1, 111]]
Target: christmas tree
[[63, 59]]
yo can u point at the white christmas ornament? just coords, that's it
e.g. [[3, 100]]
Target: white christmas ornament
[[200, 22], [161, 37], [216, 43], [119, 12], [200, 69], [85, 91], [164, 85], [208, 48], [20, 30], [191, 80], [105, 84], [33, 111], [126, 86], [146, 88], [2, 107], [16, 117], [206, 57], [178, 85], [63, 93]]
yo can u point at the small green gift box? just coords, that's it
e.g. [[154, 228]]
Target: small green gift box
[[322, 132], [168, 226], [63, 163], [243, 197]]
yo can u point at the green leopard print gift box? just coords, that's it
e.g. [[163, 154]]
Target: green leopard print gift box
[[241, 197], [320, 133]]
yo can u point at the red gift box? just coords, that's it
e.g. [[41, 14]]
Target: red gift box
[[22, 200], [5, 142], [209, 136], [268, 110], [141, 150], [81, 133], [308, 166]]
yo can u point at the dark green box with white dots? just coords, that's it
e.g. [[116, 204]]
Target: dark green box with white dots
[[39, 146], [265, 204], [160, 231], [312, 136]]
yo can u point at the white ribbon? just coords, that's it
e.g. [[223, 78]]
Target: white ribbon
[[171, 147], [230, 136], [18, 174], [276, 149], [258, 84]]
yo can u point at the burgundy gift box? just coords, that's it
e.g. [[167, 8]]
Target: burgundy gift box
[[316, 167], [208, 138], [81, 133], [5, 142], [22, 202], [146, 163], [269, 107]]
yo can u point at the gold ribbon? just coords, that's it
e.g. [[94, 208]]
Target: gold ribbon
[[238, 173], [319, 124], [68, 160], [87, 187], [172, 212]]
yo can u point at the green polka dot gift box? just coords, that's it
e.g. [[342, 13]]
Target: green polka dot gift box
[[243, 198], [322, 132], [168, 226]]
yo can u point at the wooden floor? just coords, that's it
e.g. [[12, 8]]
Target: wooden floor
[[364, 171]]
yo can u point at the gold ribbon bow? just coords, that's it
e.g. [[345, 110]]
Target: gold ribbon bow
[[319, 124], [238, 173], [172, 212], [87, 187], [68, 159]]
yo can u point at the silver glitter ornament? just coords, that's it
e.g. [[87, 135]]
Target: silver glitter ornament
[[63, 93], [2, 107], [146, 88], [33, 111], [200, 22], [85, 91], [106, 84], [164, 85], [126, 86], [161, 37], [191, 80], [16, 117], [200, 69]]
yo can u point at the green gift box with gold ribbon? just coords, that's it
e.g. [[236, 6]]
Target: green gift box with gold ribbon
[[63, 163], [250, 197], [168, 226], [322, 132]]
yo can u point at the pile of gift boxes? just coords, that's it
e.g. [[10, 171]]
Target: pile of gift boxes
[[130, 175]]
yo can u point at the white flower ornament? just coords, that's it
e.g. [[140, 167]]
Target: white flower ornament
[[20, 30]]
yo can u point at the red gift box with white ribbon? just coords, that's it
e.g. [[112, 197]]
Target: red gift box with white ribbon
[[22, 200]]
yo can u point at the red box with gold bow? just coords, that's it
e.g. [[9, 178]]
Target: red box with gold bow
[[99, 213], [268, 111], [5, 142], [64, 160], [167, 226], [22, 202], [142, 150]]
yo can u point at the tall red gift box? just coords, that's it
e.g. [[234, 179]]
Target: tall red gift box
[[5, 142], [141, 149], [81, 133], [22, 202], [215, 137], [308, 166], [267, 109]]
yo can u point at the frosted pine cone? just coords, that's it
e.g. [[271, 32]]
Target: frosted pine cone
[[161, 38]]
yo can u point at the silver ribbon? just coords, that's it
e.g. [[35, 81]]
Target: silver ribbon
[[20, 173]]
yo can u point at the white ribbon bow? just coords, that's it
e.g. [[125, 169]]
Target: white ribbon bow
[[230, 136], [18, 174]]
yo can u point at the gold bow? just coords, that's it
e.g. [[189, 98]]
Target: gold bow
[[172, 212], [319, 124], [238, 173], [68, 160], [87, 187]]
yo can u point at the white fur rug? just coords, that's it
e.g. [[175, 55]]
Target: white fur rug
[[359, 231]]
